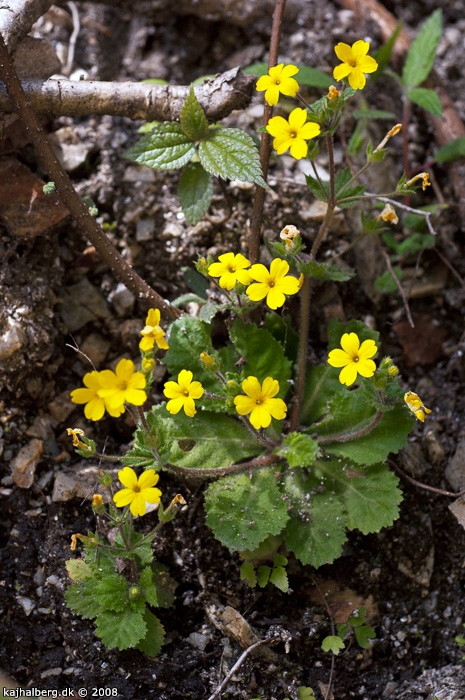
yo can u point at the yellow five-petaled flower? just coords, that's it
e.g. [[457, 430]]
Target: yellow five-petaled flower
[[138, 491], [355, 63], [260, 402], [278, 79], [353, 358], [293, 133], [273, 284], [152, 333], [229, 269], [182, 393]]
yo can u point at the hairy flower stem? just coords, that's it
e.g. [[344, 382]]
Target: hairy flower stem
[[305, 294], [256, 218], [68, 195], [217, 472]]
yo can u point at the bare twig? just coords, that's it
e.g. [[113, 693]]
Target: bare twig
[[218, 96], [77, 208], [17, 18], [399, 287], [236, 666], [413, 481], [72, 39], [216, 472]]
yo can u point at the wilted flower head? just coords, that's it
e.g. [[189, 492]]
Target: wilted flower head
[[288, 234], [415, 404], [388, 214]]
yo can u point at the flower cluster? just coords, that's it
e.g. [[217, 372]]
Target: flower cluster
[[415, 404], [353, 358], [109, 391], [272, 284], [138, 491]]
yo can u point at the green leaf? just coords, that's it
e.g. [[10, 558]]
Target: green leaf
[[165, 148], [195, 281], [372, 498], [427, 99], [194, 123], [453, 149], [81, 600], [148, 588], [313, 77], [315, 531], [279, 578], [384, 284], [332, 643], [317, 188], [242, 512], [343, 190], [195, 191], [207, 441], [383, 55], [247, 572], [111, 592], [363, 634], [232, 155], [263, 575], [372, 114], [264, 355], [121, 629], [299, 450], [152, 643], [421, 55], [389, 435], [321, 383], [305, 693]]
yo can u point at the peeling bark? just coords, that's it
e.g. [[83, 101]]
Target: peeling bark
[[219, 96], [17, 18]]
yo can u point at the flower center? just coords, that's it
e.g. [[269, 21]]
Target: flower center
[[353, 63], [123, 386], [186, 392], [136, 489], [259, 401], [293, 134]]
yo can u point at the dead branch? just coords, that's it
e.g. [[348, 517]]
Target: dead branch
[[17, 18], [219, 96]]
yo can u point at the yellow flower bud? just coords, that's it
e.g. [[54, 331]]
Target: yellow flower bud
[[148, 364], [333, 93], [207, 359]]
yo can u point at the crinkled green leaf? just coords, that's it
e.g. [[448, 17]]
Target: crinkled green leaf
[[152, 643], [299, 450], [453, 149], [363, 634], [325, 272], [263, 575], [165, 148], [247, 572], [207, 441], [148, 588], [78, 570], [195, 191], [422, 52], [315, 531], [263, 354], [194, 123], [81, 600], [427, 99], [121, 629], [232, 155], [321, 383], [242, 512], [111, 592]]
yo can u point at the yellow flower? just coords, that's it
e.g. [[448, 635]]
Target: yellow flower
[[273, 284], [354, 358], [124, 385], [95, 403], [293, 134], [333, 94], [228, 268], [388, 214], [152, 333], [138, 491], [182, 393], [259, 402], [278, 80], [421, 176], [355, 63], [415, 404]]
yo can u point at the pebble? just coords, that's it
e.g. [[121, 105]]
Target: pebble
[[23, 466], [41, 428], [61, 407], [197, 640], [122, 300], [12, 339], [455, 470], [145, 230], [80, 483], [27, 604], [95, 347], [82, 303], [51, 672]]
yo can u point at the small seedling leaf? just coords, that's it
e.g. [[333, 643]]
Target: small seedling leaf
[[332, 643], [194, 123]]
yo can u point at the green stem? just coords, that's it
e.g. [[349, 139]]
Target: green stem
[[256, 218]]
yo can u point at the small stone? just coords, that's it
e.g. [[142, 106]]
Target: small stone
[[123, 300], [23, 466], [27, 604], [61, 407], [80, 483], [197, 640], [51, 672], [82, 303], [94, 347], [145, 229], [455, 470], [41, 428], [171, 230], [137, 173], [12, 338]]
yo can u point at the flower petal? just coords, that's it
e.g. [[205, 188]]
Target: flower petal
[[360, 49], [350, 343], [343, 52], [338, 358], [128, 477], [342, 71], [348, 375]]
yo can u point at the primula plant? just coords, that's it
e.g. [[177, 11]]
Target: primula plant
[[118, 580], [294, 454]]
